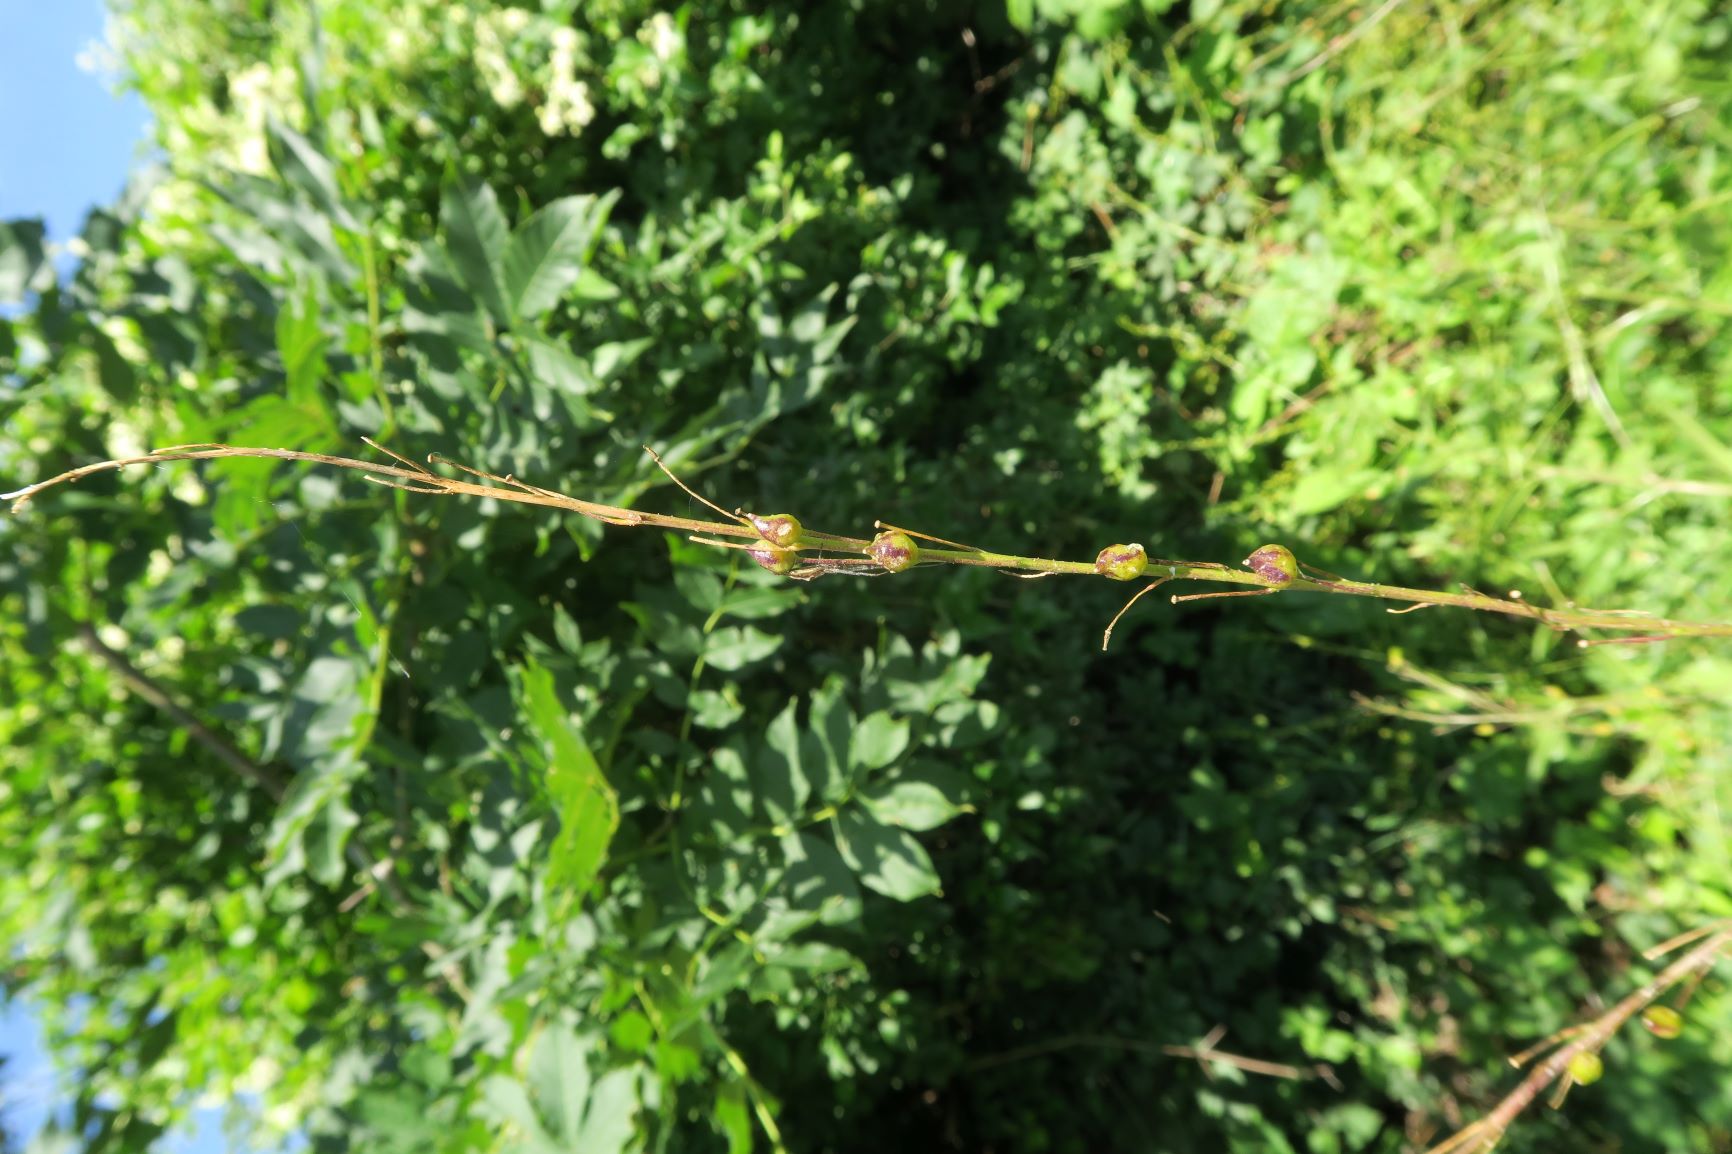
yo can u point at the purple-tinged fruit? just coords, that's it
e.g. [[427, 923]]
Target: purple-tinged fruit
[[1274, 564], [894, 551], [782, 530], [1122, 562], [776, 559]]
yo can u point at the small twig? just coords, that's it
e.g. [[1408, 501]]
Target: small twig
[[1107, 636], [152, 694], [1203, 1053], [1586, 1038], [224, 751]]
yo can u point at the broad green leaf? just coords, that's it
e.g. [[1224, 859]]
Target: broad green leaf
[[878, 740], [583, 799], [505, 1100], [558, 1076], [550, 252], [317, 734], [700, 589], [816, 957], [615, 357], [830, 738], [568, 378], [561, 368], [713, 709], [631, 1032], [327, 838], [887, 860], [722, 805], [817, 880], [476, 237], [753, 603], [284, 234], [911, 804], [608, 1123]]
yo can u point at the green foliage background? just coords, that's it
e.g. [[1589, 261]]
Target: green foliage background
[[682, 857]]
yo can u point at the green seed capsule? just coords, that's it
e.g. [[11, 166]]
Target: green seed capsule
[[776, 559], [1274, 564], [1663, 1021], [1586, 1067], [1122, 562], [894, 551], [782, 530]]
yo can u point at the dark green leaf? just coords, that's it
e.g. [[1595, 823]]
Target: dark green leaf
[[23, 259], [476, 237], [779, 779], [734, 647]]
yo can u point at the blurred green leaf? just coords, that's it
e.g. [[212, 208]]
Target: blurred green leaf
[[878, 740], [887, 860], [549, 253], [558, 1077], [910, 804], [476, 236], [307, 170], [732, 1117], [23, 259]]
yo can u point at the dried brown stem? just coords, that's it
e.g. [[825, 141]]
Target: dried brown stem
[[417, 479]]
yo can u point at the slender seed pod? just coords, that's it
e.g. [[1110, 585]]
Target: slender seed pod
[[1663, 1021], [894, 551], [1122, 562], [1274, 564], [1586, 1067], [782, 529], [776, 559]]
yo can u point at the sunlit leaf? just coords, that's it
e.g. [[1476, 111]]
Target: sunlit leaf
[[887, 860], [583, 800], [549, 253]]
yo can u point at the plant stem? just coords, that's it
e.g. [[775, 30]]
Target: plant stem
[[1590, 1037], [414, 478]]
